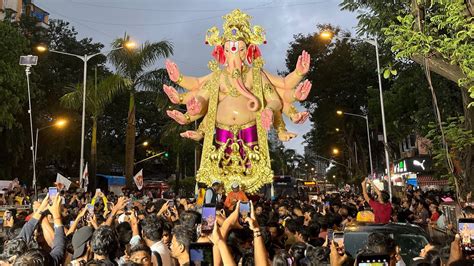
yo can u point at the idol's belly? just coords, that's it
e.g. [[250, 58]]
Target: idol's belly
[[234, 111]]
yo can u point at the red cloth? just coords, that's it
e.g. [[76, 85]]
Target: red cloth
[[382, 212], [434, 216]]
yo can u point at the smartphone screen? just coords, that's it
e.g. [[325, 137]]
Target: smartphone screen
[[90, 211], [338, 237], [208, 218], [373, 260], [244, 212], [52, 191], [200, 254], [170, 203], [466, 231], [330, 235]]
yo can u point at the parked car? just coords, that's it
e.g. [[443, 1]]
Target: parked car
[[410, 238]]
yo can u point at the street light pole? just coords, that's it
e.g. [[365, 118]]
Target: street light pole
[[28, 61], [366, 117], [385, 143], [81, 163], [27, 71], [85, 58], [368, 142]]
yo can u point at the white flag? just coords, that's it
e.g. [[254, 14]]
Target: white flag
[[138, 178], [85, 178], [60, 179]]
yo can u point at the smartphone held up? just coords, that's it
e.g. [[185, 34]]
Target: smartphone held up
[[466, 231], [208, 218], [52, 193], [244, 212]]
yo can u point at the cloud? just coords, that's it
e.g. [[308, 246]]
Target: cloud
[[185, 22]]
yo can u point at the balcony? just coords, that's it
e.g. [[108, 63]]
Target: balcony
[[42, 25], [39, 14]]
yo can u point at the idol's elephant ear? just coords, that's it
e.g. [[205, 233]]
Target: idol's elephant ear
[[253, 52], [218, 54]]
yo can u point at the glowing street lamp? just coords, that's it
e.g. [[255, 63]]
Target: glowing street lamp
[[85, 58], [130, 45], [60, 123], [335, 151], [145, 144], [337, 129], [326, 34], [339, 112]]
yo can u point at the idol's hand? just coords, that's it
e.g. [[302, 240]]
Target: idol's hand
[[194, 106], [302, 91], [303, 63], [194, 135], [172, 69], [286, 136], [178, 117], [172, 94], [300, 118], [267, 118]]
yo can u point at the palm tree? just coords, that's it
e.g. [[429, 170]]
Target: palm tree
[[133, 66], [97, 98]]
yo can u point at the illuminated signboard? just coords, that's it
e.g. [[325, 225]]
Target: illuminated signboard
[[413, 165]]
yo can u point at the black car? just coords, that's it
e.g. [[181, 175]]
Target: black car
[[410, 238]]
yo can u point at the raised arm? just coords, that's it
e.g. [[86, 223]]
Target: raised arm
[[27, 230], [364, 191], [196, 108], [291, 80], [377, 191], [259, 251], [218, 240], [121, 203], [48, 232], [187, 82], [73, 227], [59, 245]]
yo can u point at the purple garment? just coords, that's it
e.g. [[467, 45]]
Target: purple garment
[[247, 135]]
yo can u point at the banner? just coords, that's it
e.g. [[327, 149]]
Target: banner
[[85, 178], [63, 182], [138, 178]]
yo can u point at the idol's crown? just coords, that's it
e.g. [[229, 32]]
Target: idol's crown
[[236, 28]]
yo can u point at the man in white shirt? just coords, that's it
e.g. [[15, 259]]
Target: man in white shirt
[[152, 232]]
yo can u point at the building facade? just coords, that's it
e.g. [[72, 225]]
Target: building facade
[[13, 10]]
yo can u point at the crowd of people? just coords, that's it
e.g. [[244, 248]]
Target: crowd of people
[[84, 228]]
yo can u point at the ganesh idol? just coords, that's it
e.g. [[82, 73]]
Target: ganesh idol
[[238, 103]]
